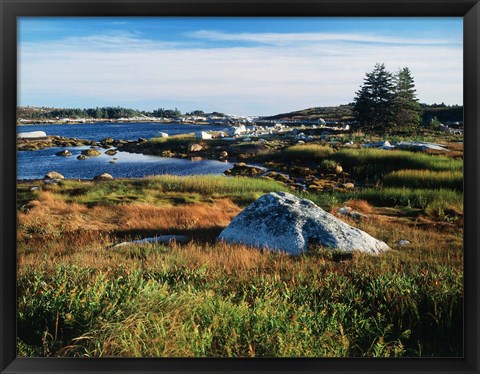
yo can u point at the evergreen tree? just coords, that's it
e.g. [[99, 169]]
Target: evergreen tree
[[407, 110], [374, 101]]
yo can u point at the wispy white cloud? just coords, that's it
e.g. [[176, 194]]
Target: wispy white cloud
[[288, 38], [261, 79], [115, 39]]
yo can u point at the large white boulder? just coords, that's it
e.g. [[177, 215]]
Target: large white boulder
[[203, 135], [32, 135], [239, 130], [283, 222]]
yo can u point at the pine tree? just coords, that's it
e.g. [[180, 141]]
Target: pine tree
[[407, 110], [374, 101]]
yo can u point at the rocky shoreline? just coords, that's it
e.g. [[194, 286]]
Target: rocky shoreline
[[243, 154], [254, 155]]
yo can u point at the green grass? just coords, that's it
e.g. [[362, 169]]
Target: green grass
[[166, 189], [428, 200], [305, 153], [356, 308], [416, 198], [425, 179], [77, 298], [377, 162]]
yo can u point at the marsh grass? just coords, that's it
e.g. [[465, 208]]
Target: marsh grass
[[425, 179], [77, 296], [305, 153], [417, 198], [371, 162], [231, 301], [166, 189]]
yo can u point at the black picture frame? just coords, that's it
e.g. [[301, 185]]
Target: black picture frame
[[10, 10]]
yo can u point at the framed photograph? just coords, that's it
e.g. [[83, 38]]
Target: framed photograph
[[239, 187]]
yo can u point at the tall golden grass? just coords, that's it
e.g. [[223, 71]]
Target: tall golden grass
[[78, 296]]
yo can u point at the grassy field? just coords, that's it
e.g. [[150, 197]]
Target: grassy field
[[78, 296]]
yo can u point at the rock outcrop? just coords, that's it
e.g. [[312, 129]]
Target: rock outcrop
[[162, 239], [104, 176], [32, 135], [53, 175], [195, 147], [111, 152], [91, 152], [244, 170], [203, 135], [64, 153], [283, 222]]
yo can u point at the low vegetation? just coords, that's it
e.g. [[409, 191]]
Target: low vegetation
[[425, 179], [386, 161], [163, 190], [307, 153], [78, 296]]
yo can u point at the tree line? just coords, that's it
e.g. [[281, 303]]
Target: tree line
[[98, 113], [105, 113], [387, 102]]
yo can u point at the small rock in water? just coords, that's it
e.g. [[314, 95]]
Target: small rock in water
[[111, 152], [242, 169], [91, 152], [64, 153], [195, 147], [163, 135], [82, 157]]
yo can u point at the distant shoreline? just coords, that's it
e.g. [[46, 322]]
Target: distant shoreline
[[100, 120]]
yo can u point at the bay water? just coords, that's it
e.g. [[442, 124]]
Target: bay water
[[35, 164]]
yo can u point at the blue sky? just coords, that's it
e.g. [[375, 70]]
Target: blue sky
[[254, 66]]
